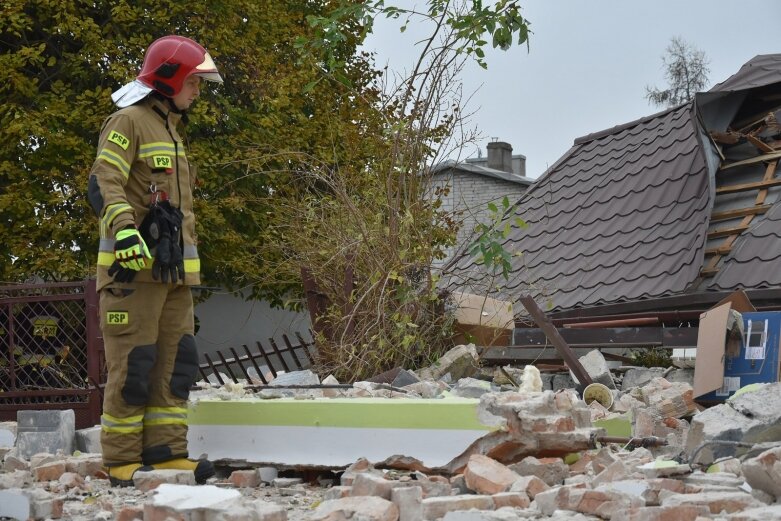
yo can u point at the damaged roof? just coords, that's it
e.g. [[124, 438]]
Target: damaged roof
[[625, 214]]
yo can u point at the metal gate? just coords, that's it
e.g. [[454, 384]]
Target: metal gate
[[51, 350]]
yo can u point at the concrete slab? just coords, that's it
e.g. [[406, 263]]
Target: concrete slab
[[334, 432]]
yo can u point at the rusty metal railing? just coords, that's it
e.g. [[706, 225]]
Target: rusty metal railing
[[250, 365]]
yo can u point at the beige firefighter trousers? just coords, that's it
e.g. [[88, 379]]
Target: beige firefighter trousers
[[152, 361]]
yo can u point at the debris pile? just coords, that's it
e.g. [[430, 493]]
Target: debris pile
[[649, 453]]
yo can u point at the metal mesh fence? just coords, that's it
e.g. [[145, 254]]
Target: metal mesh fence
[[50, 351]]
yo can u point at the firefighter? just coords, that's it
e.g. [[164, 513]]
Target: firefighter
[[140, 186]]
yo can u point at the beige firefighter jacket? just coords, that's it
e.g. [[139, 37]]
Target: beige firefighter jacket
[[141, 158]]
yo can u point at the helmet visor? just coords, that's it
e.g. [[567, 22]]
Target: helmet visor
[[207, 69]]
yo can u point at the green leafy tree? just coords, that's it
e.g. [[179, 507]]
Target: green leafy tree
[[59, 63], [686, 71]]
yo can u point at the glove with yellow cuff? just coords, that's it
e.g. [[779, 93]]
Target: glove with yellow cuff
[[131, 255]]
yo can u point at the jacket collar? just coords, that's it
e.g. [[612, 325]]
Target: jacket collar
[[163, 108]]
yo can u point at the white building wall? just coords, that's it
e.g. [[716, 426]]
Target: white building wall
[[469, 197]]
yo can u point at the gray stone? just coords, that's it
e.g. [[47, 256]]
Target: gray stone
[[552, 472], [595, 365], [472, 388], [404, 378], [459, 362], [562, 381], [764, 472], [14, 504], [43, 505], [718, 479], [286, 482], [305, 377], [88, 440], [7, 434], [13, 461], [504, 514], [639, 376], [547, 381], [436, 507], [765, 513], [409, 500], [752, 417], [45, 431], [681, 375], [366, 484], [364, 508], [15, 479]]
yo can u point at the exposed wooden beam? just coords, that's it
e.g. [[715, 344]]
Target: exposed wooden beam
[[708, 272], [611, 336], [724, 232], [759, 159], [746, 187], [740, 212], [721, 250], [761, 145]]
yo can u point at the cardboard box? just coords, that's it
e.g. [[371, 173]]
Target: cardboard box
[[722, 367], [482, 320]]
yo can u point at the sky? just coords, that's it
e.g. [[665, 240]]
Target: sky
[[588, 64]]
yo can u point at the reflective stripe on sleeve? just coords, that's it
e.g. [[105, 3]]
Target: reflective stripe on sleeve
[[111, 213], [116, 160]]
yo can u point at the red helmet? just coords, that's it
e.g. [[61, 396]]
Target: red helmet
[[171, 59]]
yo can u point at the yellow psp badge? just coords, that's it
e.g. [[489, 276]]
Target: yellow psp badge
[[117, 318]]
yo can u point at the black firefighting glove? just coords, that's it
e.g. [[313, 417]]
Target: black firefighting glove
[[121, 274], [168, 265]]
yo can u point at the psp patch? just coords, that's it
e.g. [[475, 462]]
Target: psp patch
[[117, 318], [162, 161], [118, 139]]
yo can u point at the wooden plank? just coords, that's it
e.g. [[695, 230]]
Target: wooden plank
[[753, 160], [761, 145], [611, 337], [746, 187], [544, 323], [721, 250], [724, 232], [708, 272], [740, 212]]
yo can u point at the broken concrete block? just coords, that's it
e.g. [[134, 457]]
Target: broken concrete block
[[425, 389], [669, 399], [487, 476], [599, 503], [305, 377], [546, 422], [366, 508], [258, 510], [616, 471], [646, 489], [146, 481], [717, 502], [458, 483], [595, 365], [758, 514], [43, 458], [15, 479], [337, 492], [71, 480], [715, 479], [7, 434], [562, 381], [503, 514], [750, 417], [663, 469], [286, 482], [459, 362], [181, 501], [676, 513], [553, 471], [763, 472], [245, 478], [13, 461], [436, 507], [43, 505], [360, 465], [45, 431], [529, 485], [267, 474], [14, 504], [49, 471], [404, 378], [85, 465], [511, 499], [366, 484], [88, 440], [409, 501], [131, 513], [472, 388], [639, 376]]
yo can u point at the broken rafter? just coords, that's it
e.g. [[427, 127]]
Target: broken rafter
[[759, 159]]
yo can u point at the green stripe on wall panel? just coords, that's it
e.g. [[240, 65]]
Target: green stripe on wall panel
[[450, 413]]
